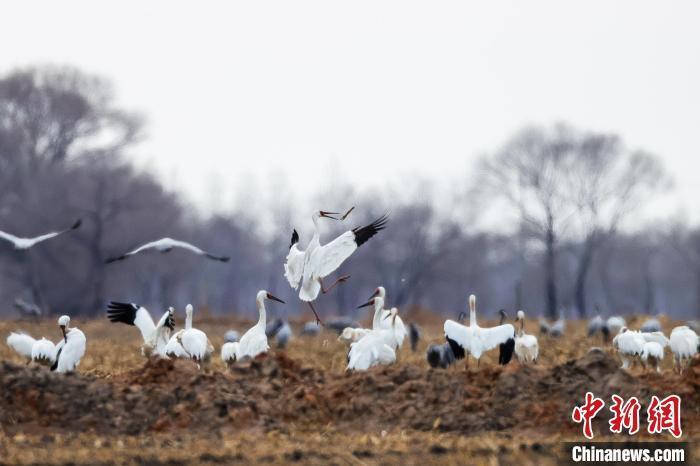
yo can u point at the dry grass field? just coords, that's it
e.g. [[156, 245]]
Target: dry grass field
[[299, 405]]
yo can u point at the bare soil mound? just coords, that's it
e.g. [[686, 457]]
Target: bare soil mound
[[273, 391]]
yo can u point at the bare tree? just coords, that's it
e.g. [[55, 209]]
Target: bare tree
[[527, 173], [607, 183], [567, 184]]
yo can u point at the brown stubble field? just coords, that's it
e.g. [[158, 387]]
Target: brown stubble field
[[299, 405]]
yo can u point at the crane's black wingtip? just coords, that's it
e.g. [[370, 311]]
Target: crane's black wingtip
[[295, 238], [122, 312], [505, 351], [218, 258], [365, 233]]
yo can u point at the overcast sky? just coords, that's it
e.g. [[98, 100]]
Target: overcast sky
[[235, 90]]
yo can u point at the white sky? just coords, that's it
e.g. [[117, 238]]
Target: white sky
[[236, 91]]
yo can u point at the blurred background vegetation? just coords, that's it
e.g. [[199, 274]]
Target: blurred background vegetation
[[570, 193]]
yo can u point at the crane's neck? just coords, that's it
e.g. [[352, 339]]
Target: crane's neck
[[378, 311], [262, 319], [316, 238], [188, 321]]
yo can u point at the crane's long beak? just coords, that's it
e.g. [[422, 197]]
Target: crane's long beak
[[275, 298], [375, 294], [329, 214], [388, 315], [368, 303], [347, 213], [63, 330]]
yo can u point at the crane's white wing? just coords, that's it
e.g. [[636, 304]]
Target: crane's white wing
[[68, 358], [150, 245], [174, 349], [184, 245], [526, 341], [629, 342], [254, 342], [326, 259], [38, 239], [195, 342], [21, 343], [386, 354], [8, 237], [329, 257], [458, 333], [370, 351], [360, 355], [192, 248], [494, 336], [44, 351], [294, 266], [133, 314]]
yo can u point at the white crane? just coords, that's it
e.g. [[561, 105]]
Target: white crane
[[71, 349], [254, 341], [42, 351], [630, 344], [386, 323], [309, 267], [392, 334], [375, 348], [526, 346], [685, 344], [164, 245], [473, 339], [155, 335], [26, 243], [190, 343]]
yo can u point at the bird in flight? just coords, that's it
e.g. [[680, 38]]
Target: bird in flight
[[309, 267], [166, 245], [26, 243]]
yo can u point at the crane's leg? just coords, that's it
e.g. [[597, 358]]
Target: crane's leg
[[318, 320], [342, 279], [478, 363]]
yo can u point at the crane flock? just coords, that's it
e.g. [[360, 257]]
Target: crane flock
[[379, 345]]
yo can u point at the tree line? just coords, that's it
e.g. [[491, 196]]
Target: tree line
[[562, 249]]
